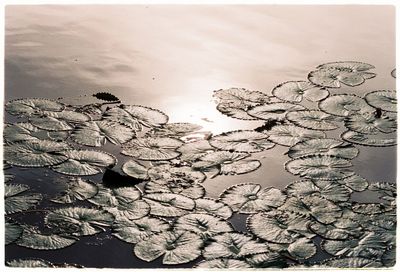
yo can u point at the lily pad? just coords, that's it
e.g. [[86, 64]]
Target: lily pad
[[166, 172], [84, 162], [251, 198], [35, 153], [31, 263], [313, 119], [344, 105], [241, 141], [97, 133], [371, 208], [16, 201], [325, 146], [288, 135], [326, 189], [32, 238], [169, 205], [236, 110], [218, 159], [369, 123], [354, 182], [78, 189], [58, 121], [194, 150], [384, 100], [12, 232], [282, 227], [17, 132], [213, 207], [274, 111], [150, 149], [333, 74], [376, 140], [302, 248], [188, 188], [135, 116], [333, 232], [29, 106], [106, 97], [178, 247], [233, 245], [134, 231], [79, 221], [352, 262], [240, 167], [174, 130], [296, 91], [135, 169], [240, 95], [203, 224], [222, 263], [324, 167]]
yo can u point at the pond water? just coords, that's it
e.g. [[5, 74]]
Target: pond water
[[172, 58]]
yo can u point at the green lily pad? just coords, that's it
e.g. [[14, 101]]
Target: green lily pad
[[288, 135], [313, 119], [241, 141], [35, 153], [178, 247], [273, 111], [325, 146], [152, 149], [384, 100], [296, 91], [251, 198], [78, 189]]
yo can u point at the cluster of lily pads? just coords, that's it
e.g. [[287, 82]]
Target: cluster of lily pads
[[166, 212]]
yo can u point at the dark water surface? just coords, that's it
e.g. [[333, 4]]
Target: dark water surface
[[172, 58]]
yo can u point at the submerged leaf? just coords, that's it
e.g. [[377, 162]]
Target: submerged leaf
[[29, 106], [251, 198], [383, 100], [324, 167], [97, 133], [241, 141], [78, 189], [344, 105], [233, 245], [84, 162], [166, 204], [313, 119], [274, 111], [213, 207], [35, 153], [152, 148], [32, 238], [295, 91], [377, 140], [288, 135], [325, 146], [178, 247]]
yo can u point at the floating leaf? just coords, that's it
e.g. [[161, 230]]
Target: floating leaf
[[302, 248], [222, 264], [251, 198], [16, 201], [35, 153], [276, 226], [78, 189], [273, 111], [178, 247], [295, 91], [134, 169], [58, 121], [326, 146], [164, 204], [271, 259], [321, 209], [233, 245], [152, 149], [166, 172], [203, 224], [32, 238], [383, 100], [182, 187], [29, 106], [84, 162], [194, 150], [17, 132], [31, 263], [235, 110], [106, 97], [344, 105], [134, 231], [377, 140], [79, 220], [371, 208], [97, 133], [352, 262], [241, 141], [12, 232], [326, 189], [324, 167], [389, 257], [218, 158], [174, 130], [354, 182], [369, 123], [213, 207], [135, 116], [8, 177], [313, 119], [288, 135], [350, 73], [240, 167]]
